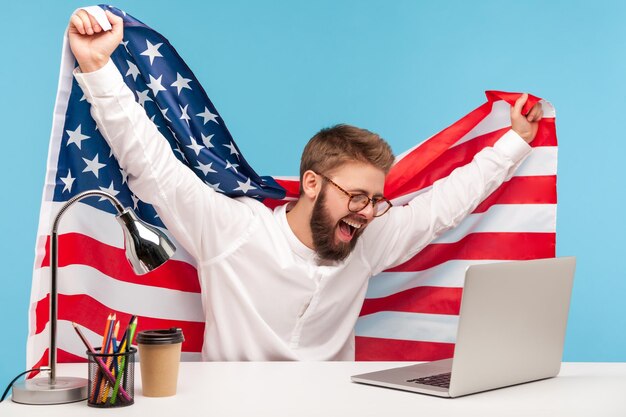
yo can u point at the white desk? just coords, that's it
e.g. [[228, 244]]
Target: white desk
[[252, 389]]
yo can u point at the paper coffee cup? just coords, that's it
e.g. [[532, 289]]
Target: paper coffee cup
[[159, 357]]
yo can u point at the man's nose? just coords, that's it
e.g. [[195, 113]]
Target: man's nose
[[368, 211]]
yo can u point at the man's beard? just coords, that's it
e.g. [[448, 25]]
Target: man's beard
[[323, 232]]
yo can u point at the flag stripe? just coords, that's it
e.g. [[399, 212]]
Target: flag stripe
[[511, 246], [79, 249], [429, 300], [522, 190], [100, 225], [136, 299], [72, 306], [448, 274], [369, 348], [439, 328], [505, 218], [400, 180]]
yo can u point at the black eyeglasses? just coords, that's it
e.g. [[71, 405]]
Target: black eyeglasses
[[357, 202]]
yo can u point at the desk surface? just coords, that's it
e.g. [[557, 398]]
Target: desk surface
[[294, 389]]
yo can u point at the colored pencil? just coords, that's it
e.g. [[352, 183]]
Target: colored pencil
[[129, 334], [107, 374], [104, 388], [98, 379]]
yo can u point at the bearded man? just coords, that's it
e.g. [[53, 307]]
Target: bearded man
[[288, 283]]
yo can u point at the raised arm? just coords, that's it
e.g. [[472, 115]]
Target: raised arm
[[197, 216], [408, 229]]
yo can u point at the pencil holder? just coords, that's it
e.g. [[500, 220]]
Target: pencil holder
[[111, 379]]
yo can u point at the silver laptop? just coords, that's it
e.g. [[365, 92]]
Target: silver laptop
[[511, 330]]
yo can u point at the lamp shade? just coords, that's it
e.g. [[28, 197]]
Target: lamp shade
[[147, 247]]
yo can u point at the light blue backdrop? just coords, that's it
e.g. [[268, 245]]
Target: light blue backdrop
[[278, 71]]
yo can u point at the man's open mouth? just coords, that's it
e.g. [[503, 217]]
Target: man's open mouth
[[348, 227]]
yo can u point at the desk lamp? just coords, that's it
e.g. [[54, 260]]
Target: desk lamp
[[147, 248]]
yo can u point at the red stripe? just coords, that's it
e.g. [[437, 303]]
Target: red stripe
[[522, 190], [90, 313], [504, 246], [79, 249], [375, 349], [433, 148], [292, 187], [429, 300], [411, 174], [441, 167], [546, 135]]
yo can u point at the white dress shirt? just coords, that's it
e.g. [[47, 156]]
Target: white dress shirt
[[265, 297]]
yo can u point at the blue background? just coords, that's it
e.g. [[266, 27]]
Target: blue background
[[279, 71]]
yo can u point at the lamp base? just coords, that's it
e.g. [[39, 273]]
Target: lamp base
[[39, 391]]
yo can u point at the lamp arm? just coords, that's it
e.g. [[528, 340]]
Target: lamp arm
[[52, 352]]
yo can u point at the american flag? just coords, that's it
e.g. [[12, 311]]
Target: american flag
[[410, 312]]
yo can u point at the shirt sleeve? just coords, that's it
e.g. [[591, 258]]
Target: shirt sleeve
[[401, 233], [204, 222]]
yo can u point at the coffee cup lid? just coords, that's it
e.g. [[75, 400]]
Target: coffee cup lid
[[160, 336]]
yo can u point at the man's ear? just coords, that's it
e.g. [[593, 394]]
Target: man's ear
[[311, 184]]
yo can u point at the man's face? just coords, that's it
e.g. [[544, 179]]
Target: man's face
[[335, 229]]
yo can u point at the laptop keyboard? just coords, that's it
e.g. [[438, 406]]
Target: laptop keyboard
[[440, 380]]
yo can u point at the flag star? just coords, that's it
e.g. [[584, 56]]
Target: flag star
[[244, 186], [76, 136], [179, 151], [208, 116], [155, 85], [232, 148], [207, 140], [124, 176], [142, 97], [83, 98], [163, 112], [133, 71], [172, 132], [155, 123], [195, 146], [205, 168], [68, 181], [185, 116], [152, 51], [216, 187], [135, 200], [233, 166], [181, 83], [125, 47], [109, 190], [93, 165]]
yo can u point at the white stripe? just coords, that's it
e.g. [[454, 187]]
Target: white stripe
[[499, 118], [450, 274], [408, 326], [141, 300], [541, 161], [505, 218], [102, 226], [68, 340]]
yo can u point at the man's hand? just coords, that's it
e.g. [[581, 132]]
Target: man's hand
[[91, 45], [525, 125]]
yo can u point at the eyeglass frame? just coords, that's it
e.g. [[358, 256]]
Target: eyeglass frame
[[373, 201]]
